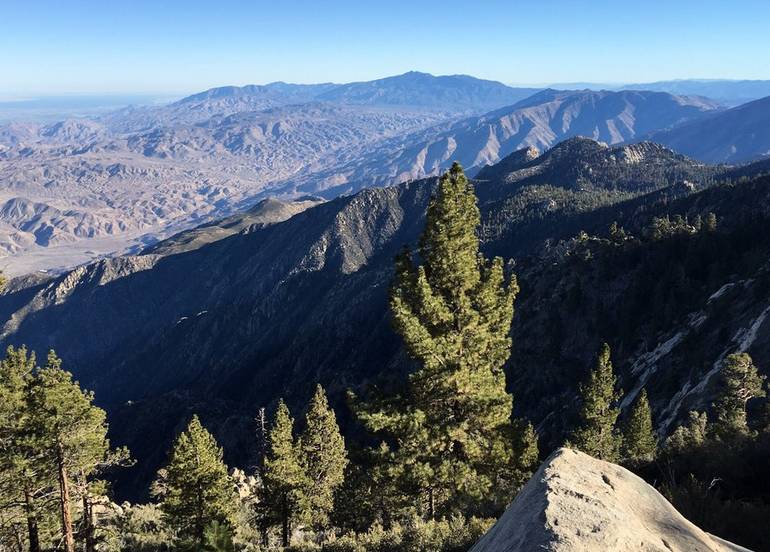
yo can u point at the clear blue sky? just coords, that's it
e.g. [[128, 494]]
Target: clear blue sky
[[114, 46]]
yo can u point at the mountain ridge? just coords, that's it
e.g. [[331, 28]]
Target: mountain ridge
[[240, 321], [737, 135]]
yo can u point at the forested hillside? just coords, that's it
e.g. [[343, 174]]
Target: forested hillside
[[230, 326]]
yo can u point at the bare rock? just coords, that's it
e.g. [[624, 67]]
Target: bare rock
[[577, 503]]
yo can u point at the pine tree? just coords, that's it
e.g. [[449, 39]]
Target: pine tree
[[639, 440], [710, 224], [195, 488], [261, 508], [71, 431], [596, 433], [286, 482], [452, 431], [739, 381], [689, 436], [324, 458], [23, 469]]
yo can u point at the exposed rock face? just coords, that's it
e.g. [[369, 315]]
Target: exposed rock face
[[577, 503]]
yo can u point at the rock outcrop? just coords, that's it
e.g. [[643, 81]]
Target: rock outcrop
[[577, 503]]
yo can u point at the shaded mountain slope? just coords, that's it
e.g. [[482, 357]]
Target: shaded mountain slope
[[733, 136], [269, 311]]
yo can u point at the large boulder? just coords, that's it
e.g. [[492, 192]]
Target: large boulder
[[578, 503]]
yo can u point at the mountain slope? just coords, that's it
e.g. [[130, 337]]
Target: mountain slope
[[146, 185], [266, 212], [143, 173], [539, 121], [454, 92], [728, 92], [737, 135], [272, 309]]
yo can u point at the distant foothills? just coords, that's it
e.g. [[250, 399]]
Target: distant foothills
[[80, 188]]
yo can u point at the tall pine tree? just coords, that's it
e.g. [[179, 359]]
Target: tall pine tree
[[195, 488], [639, 440], [286, 482], [452, 433], [596, 433], [24, 469], [71, 431], [324, 458]]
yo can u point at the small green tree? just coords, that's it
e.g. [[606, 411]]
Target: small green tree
[[71, 431], [639, 440], [194, 488], [324, 458], [688, 436], [219, 537], [739, 382], [286, 482], [596, 433], [710, 224]]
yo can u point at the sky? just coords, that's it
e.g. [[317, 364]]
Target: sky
[[52, 47]]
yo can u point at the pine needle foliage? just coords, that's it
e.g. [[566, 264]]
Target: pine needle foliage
[[599, 412], [452, 435], [194, 488]]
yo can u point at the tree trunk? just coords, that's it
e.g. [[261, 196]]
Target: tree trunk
[[285, 529], [200, 528], [64, 500], [32, 529], [88, 523], [431, 504]]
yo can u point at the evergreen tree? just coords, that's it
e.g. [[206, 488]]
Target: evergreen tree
[[286, 482], [195, 488], [452, 432], [639, 440], [70, 430], [689, 436], [262, 514], [324, 458], [23, 469], [596, 433], [739, 381], [710, 225]]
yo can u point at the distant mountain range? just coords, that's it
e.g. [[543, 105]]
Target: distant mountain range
[[727, 92], [454, 92], [737, 135], [78, 189], [540, 121], [221, 322]]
